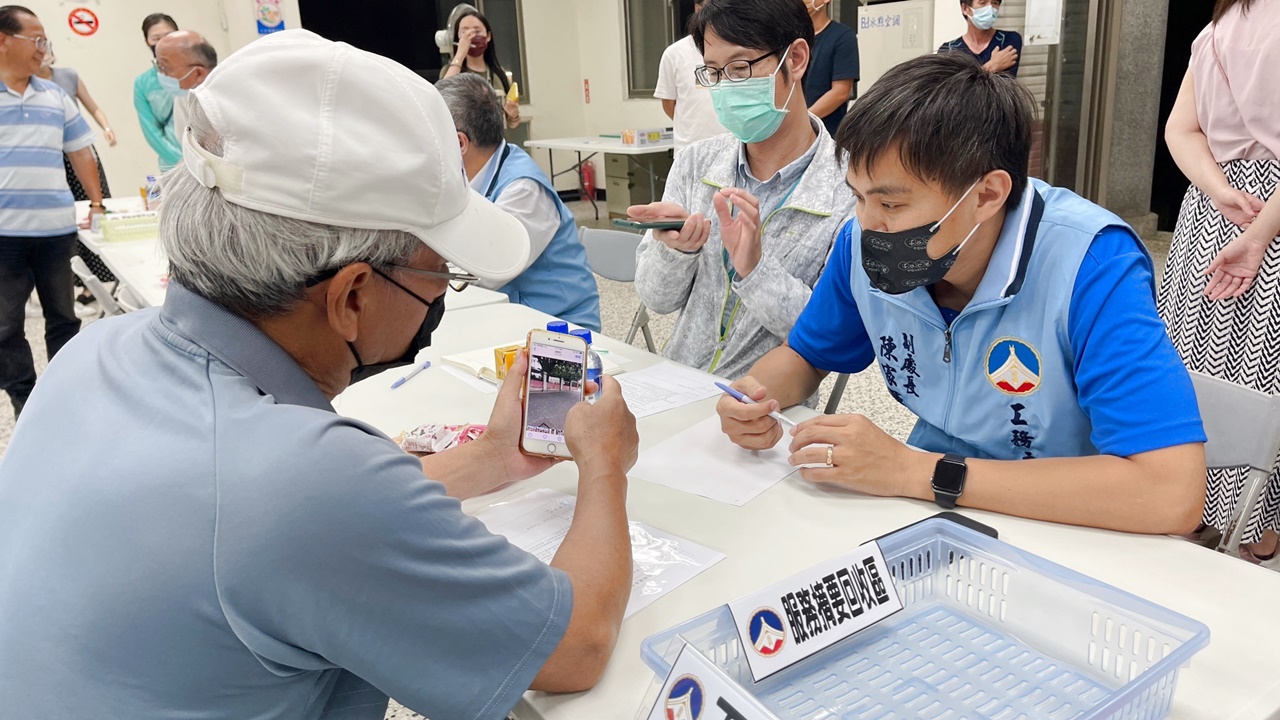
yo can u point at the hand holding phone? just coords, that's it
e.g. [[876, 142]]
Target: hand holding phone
[[553, 385], [629, 224], [602, 435], [688, 238]]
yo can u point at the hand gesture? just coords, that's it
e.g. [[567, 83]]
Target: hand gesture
[[750, 426], [502, 437], [688, 239], [602, 435], [1233, 269], [1237, 206], [464, 44], [512, 112], [1002, 59], [740, 233]]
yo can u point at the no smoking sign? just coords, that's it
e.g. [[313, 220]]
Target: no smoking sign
[[83, 22]]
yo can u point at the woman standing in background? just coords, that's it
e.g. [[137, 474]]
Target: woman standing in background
[[476, 53], [69, 80], [152, 102], [1220, 295]]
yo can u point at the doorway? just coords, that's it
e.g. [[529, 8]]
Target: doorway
[[1168, 184]]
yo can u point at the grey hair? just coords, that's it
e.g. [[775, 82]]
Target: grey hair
[[476, 108], [205, 54], [253, 263]]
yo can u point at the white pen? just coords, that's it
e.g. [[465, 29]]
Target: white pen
[[786, 421], [409, 377]]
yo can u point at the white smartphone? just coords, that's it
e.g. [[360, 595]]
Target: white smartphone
[[552, 385]]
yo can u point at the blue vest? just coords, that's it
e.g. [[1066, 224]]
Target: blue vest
[[559, 282], [993, 383]]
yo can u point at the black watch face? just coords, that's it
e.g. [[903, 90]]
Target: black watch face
[[948, 477]]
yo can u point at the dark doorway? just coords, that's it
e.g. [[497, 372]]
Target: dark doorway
[[403, 30], [1168, 184]]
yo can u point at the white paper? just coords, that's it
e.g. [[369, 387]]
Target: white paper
[[1044, 22], [661, 562], [665, 386], [814, 609], [703, 461], [695, 688], [483, 386]]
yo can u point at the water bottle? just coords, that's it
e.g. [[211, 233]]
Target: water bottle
[[558, 326], [595, 366], [153, 193]]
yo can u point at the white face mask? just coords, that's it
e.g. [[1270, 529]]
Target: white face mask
[[984, 18]]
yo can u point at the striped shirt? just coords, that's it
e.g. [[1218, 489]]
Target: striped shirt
[[36, 128]]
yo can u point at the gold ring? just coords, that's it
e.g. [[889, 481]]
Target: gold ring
[[831, 462]]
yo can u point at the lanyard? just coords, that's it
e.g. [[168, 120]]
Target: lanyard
[[497, 169], [728, 262]]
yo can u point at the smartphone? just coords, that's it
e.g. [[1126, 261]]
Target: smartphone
[[630, 224], [552, 385]]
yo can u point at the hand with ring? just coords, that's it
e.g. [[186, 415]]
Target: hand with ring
[[857, 455]]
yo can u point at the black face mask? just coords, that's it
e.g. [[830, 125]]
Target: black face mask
[[899, 262], [435, 311]]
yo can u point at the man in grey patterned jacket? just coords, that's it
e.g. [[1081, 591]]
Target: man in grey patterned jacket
[[744, 263]]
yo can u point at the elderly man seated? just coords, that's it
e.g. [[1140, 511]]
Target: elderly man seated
[[216, 542], [556, 278]]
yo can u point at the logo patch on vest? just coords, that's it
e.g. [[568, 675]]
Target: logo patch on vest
[[1013, 366]]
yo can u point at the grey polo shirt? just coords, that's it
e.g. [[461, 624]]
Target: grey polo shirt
[[187, 529]]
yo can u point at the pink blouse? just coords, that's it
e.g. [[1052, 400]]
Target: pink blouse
[[1235, 66]]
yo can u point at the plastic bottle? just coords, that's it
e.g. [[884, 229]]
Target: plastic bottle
[[153, 193], [558, 326], [595, 366]]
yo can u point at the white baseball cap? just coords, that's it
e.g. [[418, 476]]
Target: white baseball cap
[[321, 131]]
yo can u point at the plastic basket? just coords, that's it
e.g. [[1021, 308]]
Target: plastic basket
[[987, 631], [124, 227]]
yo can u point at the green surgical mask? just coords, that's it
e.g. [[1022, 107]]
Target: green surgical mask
[[746, 108]]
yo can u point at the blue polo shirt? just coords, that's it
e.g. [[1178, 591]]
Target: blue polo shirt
[[36, 127], [215, 542], [1060, 353]]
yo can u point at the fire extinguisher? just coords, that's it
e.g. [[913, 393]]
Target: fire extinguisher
[[587, 178]]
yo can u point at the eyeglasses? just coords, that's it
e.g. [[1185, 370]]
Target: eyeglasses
[[42, 44], [736, 71], [457, 281]]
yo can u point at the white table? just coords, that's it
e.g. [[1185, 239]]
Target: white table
[[1234, 677], [611, 145], [141, 265]]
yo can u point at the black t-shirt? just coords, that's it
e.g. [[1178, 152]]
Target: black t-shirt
[[834, 57], [1002, 39]]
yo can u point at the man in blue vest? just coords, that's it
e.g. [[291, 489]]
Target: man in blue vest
[[1015, 319], [557, 280]]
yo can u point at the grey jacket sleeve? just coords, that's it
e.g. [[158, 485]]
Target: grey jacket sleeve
[[773, 296], [664, 277]]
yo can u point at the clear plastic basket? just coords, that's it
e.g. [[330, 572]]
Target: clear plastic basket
[[987, 631]]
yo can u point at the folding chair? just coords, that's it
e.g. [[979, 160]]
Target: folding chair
[[95, 286], [837, 392], [612, 254], [1243, 427]]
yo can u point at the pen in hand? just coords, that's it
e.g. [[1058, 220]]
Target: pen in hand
[[786, 421], [409, 377]]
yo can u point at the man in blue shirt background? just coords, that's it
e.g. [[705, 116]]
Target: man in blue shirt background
[[1016, 320]]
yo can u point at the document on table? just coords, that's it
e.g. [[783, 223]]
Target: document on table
[[661, 562], [702, 461], [665, 386]]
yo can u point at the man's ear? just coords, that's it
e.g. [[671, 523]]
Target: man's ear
[[797, 60], [346, 298], [464, 142], [993, 191]]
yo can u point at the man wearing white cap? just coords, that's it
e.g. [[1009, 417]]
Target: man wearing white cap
[[216, 542]]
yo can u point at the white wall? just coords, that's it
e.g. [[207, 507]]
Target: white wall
[[109, 60]]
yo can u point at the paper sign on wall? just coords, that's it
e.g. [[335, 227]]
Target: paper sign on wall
[[696, 689], [814, 609], [270, 18]]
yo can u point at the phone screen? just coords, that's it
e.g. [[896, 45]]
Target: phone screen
[[555, 386]]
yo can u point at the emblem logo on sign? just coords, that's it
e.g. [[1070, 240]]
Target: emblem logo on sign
[[1013, 366], [685, 700], [766, 631]]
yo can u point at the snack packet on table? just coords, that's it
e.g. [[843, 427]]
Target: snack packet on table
[[434, 437]]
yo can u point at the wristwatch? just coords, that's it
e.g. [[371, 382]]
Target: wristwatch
[[948, 480]]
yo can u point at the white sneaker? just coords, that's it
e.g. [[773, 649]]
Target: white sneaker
[[90, 310]]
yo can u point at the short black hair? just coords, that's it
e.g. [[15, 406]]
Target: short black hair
[[475, 107], [951, 120], [10, 23], [764, 25], [154, 19]]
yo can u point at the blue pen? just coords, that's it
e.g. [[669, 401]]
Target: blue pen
[[786, 421], [409, 377]]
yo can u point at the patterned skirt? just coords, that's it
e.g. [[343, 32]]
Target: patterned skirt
[[77, 191], [1236, 339]]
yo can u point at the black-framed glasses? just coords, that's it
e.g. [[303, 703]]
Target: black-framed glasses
[[736, 71], [42, 43]]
